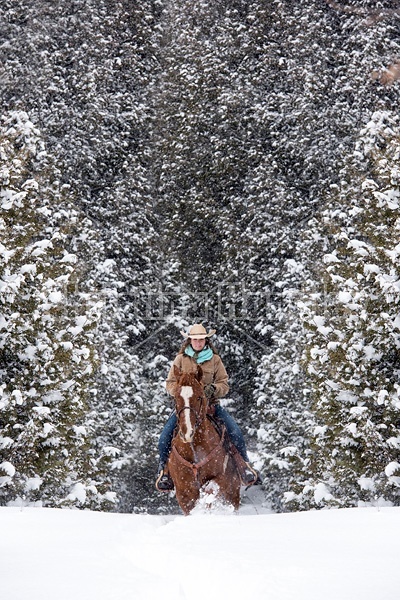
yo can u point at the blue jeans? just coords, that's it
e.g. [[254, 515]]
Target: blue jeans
[[233, 429]]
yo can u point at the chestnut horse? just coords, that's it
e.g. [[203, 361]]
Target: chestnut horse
[[199, 453]]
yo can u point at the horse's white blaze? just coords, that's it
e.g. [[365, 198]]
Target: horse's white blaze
[[187, 393]]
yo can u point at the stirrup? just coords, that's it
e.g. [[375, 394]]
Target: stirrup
[[164, 482], [249, 476]]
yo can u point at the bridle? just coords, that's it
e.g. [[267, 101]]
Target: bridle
[[197, 413]]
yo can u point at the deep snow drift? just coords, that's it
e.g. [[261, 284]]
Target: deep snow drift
[[48, 554]]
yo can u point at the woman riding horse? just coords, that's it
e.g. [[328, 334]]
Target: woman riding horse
[[198, 350]]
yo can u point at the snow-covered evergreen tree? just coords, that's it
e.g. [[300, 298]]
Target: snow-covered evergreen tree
[[203, 141], [90, 64], [353, 341], [46, 339], [318, 95]]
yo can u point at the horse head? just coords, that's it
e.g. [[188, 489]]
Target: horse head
[[190, 402]]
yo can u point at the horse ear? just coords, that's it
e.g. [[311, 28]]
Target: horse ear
[[177, 372], [199, 374]]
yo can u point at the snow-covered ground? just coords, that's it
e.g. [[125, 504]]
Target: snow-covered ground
[[48, 554]]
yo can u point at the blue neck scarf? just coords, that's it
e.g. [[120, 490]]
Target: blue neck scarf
[[202, 356]]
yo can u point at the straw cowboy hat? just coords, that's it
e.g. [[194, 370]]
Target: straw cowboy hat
[[197, 332]]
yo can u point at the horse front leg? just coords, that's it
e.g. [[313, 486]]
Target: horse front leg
[[187, 498], [186, 485]]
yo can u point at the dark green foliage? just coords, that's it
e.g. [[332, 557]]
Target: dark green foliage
[[47, 355], [353, 342], [201, 146]]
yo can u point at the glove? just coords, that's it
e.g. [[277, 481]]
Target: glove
[[209, 391]]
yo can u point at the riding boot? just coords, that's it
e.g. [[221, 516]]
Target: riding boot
[[246, 472], [248, 476], [252, 476], [164, 482]]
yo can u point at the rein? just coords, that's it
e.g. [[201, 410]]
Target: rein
[[196, 466]]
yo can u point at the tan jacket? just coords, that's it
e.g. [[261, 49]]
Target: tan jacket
[[213, 372]]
